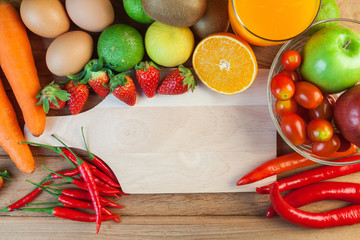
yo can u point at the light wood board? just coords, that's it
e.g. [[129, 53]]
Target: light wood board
[[196, 142]]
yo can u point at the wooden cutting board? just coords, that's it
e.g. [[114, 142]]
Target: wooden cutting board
[[192, 143]]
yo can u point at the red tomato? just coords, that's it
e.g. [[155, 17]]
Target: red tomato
[[282, 87], [307, 95], [320, 130], [324, 149], [293, 126], [291, 60], [294, 75], [286, 106], [323, 111]]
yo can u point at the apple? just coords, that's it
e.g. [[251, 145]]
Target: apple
[[347, 115], [331, 59], [167, 45], [328, 9]]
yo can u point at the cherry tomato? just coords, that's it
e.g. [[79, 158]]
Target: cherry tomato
[[303, 113], [307, 95], [320, 130], [286, 106], [323, 111], [293, 126], [282, 87], [291, 60], [324, 149], [294, 75]]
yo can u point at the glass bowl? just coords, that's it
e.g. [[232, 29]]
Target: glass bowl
[[298, 44]]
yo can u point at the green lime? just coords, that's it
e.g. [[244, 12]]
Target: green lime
[[134, 10], [121, 46]]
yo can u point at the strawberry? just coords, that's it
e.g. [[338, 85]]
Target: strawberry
[[4, 175], [96, 75], [177, 82], [98, 82], [123, 87], [52, 97], [148, 76], [79, 94]]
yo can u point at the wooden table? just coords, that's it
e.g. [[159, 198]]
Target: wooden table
[[187, 216]]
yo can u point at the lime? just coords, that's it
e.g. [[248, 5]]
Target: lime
[[121, 46], [135, 11]]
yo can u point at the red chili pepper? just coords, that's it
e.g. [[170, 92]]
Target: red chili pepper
[[337, 217], [344, 191], [84, 195], [81, 184], [88, 178], [74, 172], [99, 163], [70, 157], [286, 163], [314, 175], [96, 172], [71, 214], [25, 200], [275, 166], [69, 173], [66, 201]]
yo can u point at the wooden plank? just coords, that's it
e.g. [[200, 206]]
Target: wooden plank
[[170, 227]]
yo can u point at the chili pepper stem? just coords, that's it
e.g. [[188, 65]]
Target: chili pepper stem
[[47, 210], [43, 203], [59, 184], [46, 190], [69, 179], [87, 149], [55, 149], [79, 161]]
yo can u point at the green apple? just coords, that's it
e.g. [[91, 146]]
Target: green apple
[[167, 45], [331, 59], [328, 9]]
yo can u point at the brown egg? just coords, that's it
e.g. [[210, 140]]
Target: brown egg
[[46, 18], [91, 15], [69, 53]]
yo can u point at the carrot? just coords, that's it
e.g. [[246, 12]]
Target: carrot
[[17, 63], [11, 135]]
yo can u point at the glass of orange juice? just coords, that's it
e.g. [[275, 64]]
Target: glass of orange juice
[[271, 22]]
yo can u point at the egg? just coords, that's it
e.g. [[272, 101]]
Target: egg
[[46, 18], [69, 53], [91, 15]]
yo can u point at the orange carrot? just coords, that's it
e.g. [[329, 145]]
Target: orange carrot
[[11, 135], [17, 62]]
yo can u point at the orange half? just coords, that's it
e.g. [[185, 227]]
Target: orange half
[[225, 63]]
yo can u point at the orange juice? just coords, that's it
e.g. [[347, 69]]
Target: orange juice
[[270, 22]]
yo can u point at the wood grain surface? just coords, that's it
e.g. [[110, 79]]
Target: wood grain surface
[[166, 216]]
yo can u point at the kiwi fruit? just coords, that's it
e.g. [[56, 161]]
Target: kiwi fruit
[[177, 13], [214, 20]]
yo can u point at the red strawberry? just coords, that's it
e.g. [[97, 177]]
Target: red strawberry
[[96, 75], [52, 96], [78, 96], [148, 76], [4, 175], [123, 87], [60, 104], [177, 82]]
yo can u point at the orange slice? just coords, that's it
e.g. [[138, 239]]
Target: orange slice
[[225, 63]]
